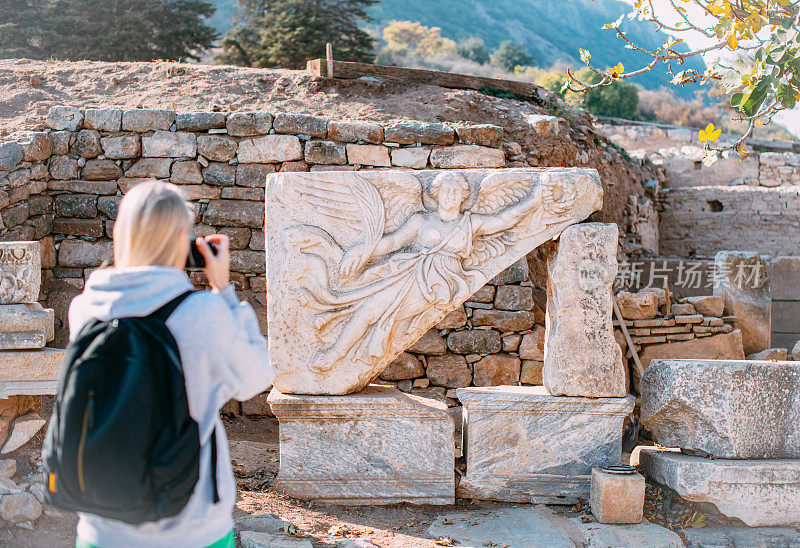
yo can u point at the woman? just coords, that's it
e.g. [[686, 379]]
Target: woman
[[223, 353]]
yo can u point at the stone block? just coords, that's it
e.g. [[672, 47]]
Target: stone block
[[449, 370], [84, 254], [770, 354], [217, 148], [11, 154], [83, 206], [199, 121], [524, 445], [453, 320], [378, 446], [637, 306], [644, 534], [355, 131], [102, 119], [531, 372], [246, 124], [170, 144], [504, 320], [325, 152], [219, 174], [496, 370], [87, 144], [476, 341], [707, 305], [78, 227], [186, 173], [532, 345], [300, 124], [405, 366], [368, 155], [20, 272], [480, 134], [467, 156], [717, 347], [407, 133], [725, 408], [141, 120], [617, 498], [62, 117], [760, 493], [25, 326], [253, 175], [270, 149], [740, 279], [36, 147], [681, 309], [415, 158], [543, 125], [31, 372], [59, 141], [25, 427], [405, 278], [582, 357], [121, 147], [63, 167], [150, 167], [516, 273], [430, 343], [796, 351], [514, 297], [689, 319], [101, 170], [234, 213]]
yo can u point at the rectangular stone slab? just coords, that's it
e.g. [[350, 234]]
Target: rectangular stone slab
[[361, 264], [30, 372], [524, 445], [761, 493], [25, 326], [20, 272], [379, 446], [734, 409]]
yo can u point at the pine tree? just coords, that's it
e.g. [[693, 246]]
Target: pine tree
[[22, 28], [289, 32]]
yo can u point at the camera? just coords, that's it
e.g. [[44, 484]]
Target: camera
[[195, 259]]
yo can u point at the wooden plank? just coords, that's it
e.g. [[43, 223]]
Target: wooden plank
[[349, 70]]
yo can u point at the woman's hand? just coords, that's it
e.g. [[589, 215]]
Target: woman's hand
[[218, 266]]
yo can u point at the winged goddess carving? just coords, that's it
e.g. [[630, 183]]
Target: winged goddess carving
[[414, 251]]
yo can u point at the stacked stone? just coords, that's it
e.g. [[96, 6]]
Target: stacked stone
[[578, 413], [495, 338]]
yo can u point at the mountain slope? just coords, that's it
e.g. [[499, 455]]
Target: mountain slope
[[552, 30]]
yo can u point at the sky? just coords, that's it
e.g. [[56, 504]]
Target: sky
[[789, 119]]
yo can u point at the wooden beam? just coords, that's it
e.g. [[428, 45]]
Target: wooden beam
[[349, 70]]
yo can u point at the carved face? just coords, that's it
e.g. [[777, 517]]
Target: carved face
[[451, 196]]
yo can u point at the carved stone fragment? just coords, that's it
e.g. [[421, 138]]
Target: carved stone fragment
[[20, 272]]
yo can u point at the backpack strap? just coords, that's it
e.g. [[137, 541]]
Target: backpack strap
[[165, 311], [214, 464]]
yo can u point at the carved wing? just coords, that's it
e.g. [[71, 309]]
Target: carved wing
[[500, 190], [402, 197], [497, 192], [358, 205]]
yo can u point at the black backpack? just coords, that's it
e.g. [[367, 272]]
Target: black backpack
[[121, 443]]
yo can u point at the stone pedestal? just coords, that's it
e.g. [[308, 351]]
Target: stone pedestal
[[741, 279], [760, 493], [25, 326], [524, 445], [581, 357], [617, 498], [30, 372], [378, 446]]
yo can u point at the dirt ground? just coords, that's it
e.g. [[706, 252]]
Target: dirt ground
[[254, 455]]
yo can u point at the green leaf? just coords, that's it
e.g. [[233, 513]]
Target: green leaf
[[786, 96], [736, 99], [756, 98]]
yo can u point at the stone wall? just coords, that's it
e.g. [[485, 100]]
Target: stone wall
[[698, 222]]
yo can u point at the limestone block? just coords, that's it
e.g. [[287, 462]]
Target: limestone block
[[524, 445], [531, 372], [87, 144], [617, 498], [581, 356], [121, 146], [725, 346], [270, 149], [325, 152], [36, 147], [708, 305], [496, 370], [474, 341], [355, 131], [532, 345], [637, 306], [217, 148], [300, 124], [430, 343], [740, 278], [545, 126], [253, 175], [11, 154], [170, 144], [361, 264], [368, 155], [514, 297], [405, 366], [199, 121], [20, 508], [25, 326], [449, 370], [20, 272], [83, 254], [761, 493], [467, 156], [102, 119], [416, 157], [770, 354], [487, 135], [597, 535], [144, 119], [101, 170], [407, 133], [63, 167], [25, 427], [726, 408], [504, 320], [62, 117], [245, 124], [379, 446]]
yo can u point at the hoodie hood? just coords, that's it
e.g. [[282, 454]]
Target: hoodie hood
[[128, 292]]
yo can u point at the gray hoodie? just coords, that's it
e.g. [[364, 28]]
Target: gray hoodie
[[224, 356]]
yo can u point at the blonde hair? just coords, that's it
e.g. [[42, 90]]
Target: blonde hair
[[150, 218]]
